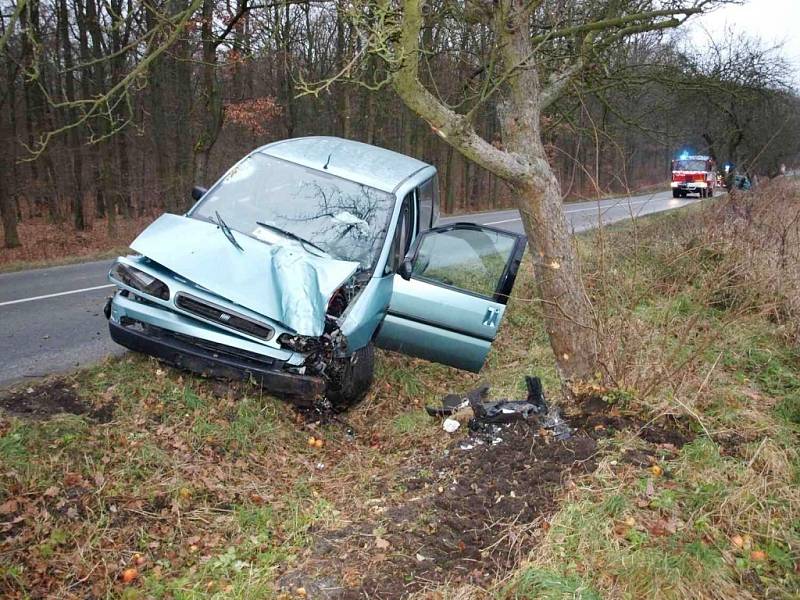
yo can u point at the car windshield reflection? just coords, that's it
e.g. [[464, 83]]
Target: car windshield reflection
[[276, 201]]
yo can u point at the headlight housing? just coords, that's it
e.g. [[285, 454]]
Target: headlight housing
[[139, 280]]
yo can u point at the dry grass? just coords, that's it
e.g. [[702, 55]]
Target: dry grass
[[698, 313], [216, 490]]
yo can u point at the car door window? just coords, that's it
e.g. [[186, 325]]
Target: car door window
[[428, 205], [474, 260], [402, 236]]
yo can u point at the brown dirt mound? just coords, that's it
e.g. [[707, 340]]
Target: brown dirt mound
[[596, 415]]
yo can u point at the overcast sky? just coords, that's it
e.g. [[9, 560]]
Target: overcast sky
[[774, 21]]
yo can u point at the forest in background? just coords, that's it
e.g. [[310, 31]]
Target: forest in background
[[112, 109]]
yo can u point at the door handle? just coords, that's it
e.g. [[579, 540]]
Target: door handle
[[491, 317]]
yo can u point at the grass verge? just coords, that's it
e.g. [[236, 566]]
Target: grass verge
[[142, 481]]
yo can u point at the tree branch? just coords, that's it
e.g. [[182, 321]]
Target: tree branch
[[454, 128]]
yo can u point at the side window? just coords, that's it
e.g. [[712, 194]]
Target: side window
[[428, 204], [473, 260], [402, 236]]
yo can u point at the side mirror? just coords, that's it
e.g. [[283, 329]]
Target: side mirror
[[405, 269], [198, 192]]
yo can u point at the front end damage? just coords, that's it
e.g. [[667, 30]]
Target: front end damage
[[253, 315], [214, 360], [326, 355]]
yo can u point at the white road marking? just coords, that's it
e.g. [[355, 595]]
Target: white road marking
[[577, 210], [46, 296], [108, 285], [498, 222]]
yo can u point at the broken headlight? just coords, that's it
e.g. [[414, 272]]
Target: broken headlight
[[139, 280], [300, 343]]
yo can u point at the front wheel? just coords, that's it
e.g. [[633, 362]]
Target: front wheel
[[676, 194], [350, 378]]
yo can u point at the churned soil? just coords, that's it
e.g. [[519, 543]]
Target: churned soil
[[49, 398], [471, 513]]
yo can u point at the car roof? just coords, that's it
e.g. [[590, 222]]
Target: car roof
[[368, 165]]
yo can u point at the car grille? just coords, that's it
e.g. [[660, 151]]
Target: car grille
[[222, 350], [217, 314], [217, 350]]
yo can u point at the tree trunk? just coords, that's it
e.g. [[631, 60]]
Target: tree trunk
[[450, 192], [73, 139], [158, 80], [523, 164], [181, 126], [9, 215], [9, 206], [537, 196], [212, 114], [93, 80], [120, 195], [285, 28], [37, 117]]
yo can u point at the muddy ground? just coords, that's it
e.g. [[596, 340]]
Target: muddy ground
[[463, 516], [471, 514], [49, 398]]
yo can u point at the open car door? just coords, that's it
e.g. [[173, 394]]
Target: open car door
[[450, 293]]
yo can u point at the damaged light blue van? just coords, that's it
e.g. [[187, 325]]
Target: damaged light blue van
[[303, 257]]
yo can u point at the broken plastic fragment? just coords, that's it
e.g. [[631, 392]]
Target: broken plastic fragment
[[491, 418], [555, 423], [450, 425], [452, 403]]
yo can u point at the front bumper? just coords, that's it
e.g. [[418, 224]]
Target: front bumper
[[136, 330], [179, 351], [689, 186]]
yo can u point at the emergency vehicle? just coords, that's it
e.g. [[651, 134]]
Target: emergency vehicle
[[693, 175]]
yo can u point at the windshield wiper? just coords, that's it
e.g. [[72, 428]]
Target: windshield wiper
[[227, 232], [290, 235]]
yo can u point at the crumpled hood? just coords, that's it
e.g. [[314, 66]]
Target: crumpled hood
[[282, 282]]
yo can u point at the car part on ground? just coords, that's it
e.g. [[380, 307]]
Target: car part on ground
[[452, 403], [487, 419]]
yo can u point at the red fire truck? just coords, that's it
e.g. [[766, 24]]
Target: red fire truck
[[693, 175]]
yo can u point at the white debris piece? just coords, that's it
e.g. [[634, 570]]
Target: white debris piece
[[450, 425]]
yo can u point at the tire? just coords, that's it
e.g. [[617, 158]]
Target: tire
[[710, 193], [676, 194], [352, 378]]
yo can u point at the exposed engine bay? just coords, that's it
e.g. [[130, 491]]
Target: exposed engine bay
[[327, 353]]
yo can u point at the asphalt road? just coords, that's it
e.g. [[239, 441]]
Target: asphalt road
[[51, 319]]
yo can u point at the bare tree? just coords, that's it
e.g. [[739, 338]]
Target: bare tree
[[537, 49]]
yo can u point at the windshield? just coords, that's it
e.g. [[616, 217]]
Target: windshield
[[345, 219], [689, 165]]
